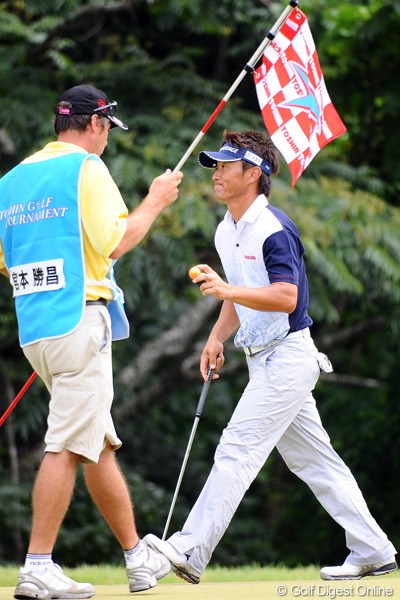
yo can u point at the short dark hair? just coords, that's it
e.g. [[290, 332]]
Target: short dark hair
[[263, 146], [76, 122]]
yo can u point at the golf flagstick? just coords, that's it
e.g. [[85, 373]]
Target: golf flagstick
[[199, 411], [249, 68], [17, 398]]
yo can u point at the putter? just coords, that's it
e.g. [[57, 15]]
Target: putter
[[199, 411]]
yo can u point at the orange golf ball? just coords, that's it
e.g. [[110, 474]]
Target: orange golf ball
[[194, 272]]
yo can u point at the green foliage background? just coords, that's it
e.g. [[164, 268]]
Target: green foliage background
[[168, 63]]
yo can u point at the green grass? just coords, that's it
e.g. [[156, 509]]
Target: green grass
[[113, 575]]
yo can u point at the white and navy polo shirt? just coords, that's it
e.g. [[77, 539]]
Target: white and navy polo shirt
[[264, 247]]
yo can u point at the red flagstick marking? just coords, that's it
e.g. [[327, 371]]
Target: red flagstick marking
[[18, 397], [214, 115]]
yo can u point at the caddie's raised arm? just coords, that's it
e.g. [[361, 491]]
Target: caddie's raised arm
[[163, 192]]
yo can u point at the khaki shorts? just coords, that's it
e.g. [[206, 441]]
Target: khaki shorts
[[77, 370]]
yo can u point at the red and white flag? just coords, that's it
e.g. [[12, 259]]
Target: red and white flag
[[295, 105]]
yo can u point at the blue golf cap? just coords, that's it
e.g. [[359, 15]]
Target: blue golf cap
[[230, 153]]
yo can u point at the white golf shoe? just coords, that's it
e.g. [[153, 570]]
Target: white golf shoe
[[349, 571], [146, 569], [179, 562], [50, 584]]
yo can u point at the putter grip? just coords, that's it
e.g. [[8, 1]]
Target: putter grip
[[204, 393]]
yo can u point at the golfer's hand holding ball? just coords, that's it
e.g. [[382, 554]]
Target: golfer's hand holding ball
[[212, 356], [211, 284], [194, 272]]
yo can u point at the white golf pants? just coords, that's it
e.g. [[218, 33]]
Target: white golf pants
[[277, 409]]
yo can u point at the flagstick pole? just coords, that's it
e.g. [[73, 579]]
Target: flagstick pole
[[18, 397], [249, 68]]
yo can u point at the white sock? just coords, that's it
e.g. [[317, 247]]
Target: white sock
[[38, 563], [135, 555]]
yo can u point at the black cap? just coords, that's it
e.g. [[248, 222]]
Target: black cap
[[88, 100]]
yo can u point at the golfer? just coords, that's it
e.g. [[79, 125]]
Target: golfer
[[62, 221], [265, 299]]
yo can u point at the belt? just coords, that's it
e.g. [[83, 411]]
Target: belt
[[306, 333], [100, 301], [251, 350]]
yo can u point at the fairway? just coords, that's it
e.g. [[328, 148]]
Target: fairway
[[373, 587]]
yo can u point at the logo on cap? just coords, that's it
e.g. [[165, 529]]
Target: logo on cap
[[254, 158], [102, 102], [230, 149]]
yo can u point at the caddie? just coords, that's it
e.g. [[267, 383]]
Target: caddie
[[62, 224]]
